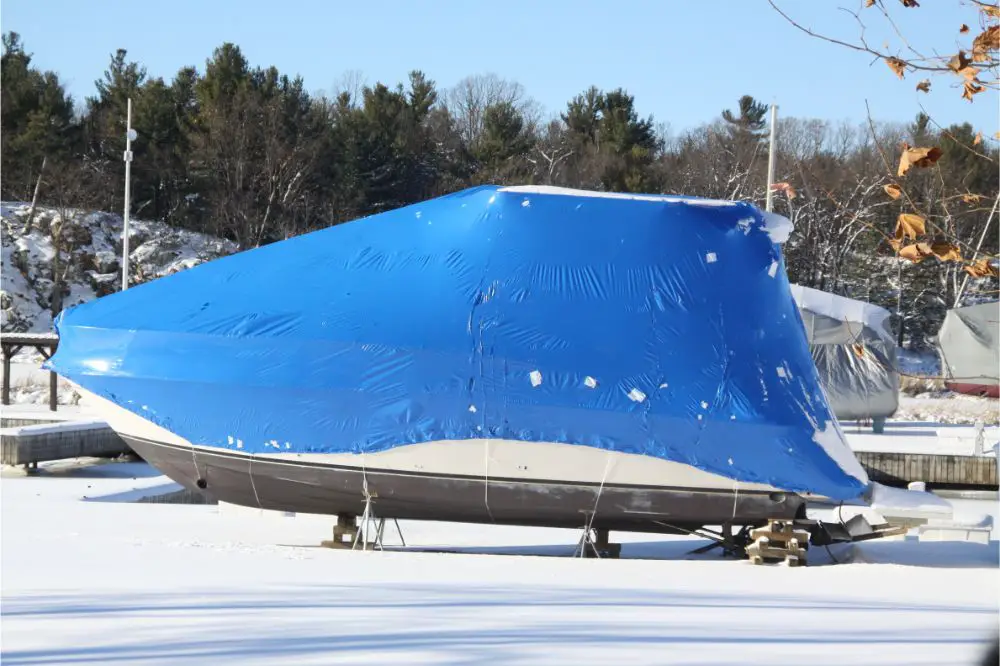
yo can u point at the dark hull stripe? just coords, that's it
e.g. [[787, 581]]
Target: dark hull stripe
[[309, 487]]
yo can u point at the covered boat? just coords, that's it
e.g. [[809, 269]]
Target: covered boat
[[526, 355], [855, 353], [969, 345]]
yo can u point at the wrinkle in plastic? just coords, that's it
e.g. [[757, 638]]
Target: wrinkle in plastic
[[854, 353], [969, 341], [655, 327]]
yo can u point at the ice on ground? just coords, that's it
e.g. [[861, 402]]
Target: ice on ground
[[109, 580]]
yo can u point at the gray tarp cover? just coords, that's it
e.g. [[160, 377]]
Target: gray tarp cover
[[969, 340], [854, 352]]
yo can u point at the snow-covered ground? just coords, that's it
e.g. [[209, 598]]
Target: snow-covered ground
[[927, 437], [947, 407], [29, 383], [91, 576], [927, 363]]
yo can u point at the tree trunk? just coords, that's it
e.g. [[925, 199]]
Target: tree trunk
[[34, 199]]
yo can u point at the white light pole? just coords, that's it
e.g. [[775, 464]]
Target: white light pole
[[770, 160], [130, 136]]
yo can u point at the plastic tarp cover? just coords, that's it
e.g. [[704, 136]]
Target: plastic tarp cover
[[654, 325], [854, 352], [969, 340]]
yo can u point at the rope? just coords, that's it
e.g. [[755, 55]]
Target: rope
[[486, 484], [366, 514], [600, 489], [194, 461], [736, 496], [253, 484]]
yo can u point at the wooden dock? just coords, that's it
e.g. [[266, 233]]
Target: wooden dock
[[940, 455], [899, 469], [29, 445]]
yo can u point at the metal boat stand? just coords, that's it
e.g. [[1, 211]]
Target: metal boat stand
[[370, 523], [733, 545], [594, 542], [347, 533]]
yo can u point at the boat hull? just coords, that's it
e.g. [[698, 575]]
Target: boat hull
[[314, 487], [982, 390], [475, 481]]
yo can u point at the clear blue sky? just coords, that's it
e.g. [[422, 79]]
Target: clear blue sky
[[683, 61]]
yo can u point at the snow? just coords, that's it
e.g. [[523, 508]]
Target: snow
[[60, 426], [38, 337], [29, 384], [568, 191], [947, 407], [778, 227], [91, 576], [91, 255], [41, 412], [900, 502], [842, 308], [914, 437], [926, 364]]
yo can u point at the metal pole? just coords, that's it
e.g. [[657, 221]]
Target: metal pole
[[769, 205], [128, 179]]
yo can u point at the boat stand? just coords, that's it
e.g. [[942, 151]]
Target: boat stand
[[779, 541], [594, 542], [372, 524], [379, 540], [348, 534], [344, 532], [731, 544]]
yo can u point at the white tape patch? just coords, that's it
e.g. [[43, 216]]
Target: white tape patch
[[636, 395]]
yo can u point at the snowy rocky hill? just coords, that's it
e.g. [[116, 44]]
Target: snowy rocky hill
[[89, 259]]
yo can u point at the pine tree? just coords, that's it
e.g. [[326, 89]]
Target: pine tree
[[503, 146], [36, 123], [613, 149]]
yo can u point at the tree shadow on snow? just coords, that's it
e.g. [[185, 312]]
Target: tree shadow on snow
[[452, 623]]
